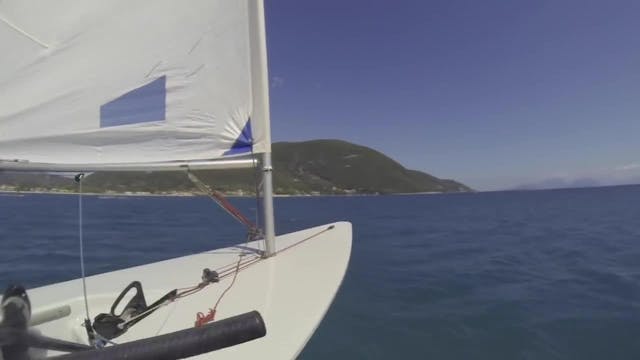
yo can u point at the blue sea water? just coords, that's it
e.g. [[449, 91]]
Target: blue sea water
[[504, 275]]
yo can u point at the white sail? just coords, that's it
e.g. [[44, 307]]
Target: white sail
[[132, 82]]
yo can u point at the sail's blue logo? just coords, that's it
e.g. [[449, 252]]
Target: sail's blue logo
[[244, 142], [144, 104]]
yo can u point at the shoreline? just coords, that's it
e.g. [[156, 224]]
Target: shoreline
[[44, 192], [6, 192]]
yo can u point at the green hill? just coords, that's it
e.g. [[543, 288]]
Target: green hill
[[310, 167], [331, 166]]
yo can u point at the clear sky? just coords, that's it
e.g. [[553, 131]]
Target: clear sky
[[492, 93]]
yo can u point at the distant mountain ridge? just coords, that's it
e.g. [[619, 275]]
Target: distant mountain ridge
[[586, 182], [309, 167]]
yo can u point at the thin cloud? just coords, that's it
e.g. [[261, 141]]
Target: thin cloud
[[277, 82], [628, 167]]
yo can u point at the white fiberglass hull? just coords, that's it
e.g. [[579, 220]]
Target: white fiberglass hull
[[292, 291]]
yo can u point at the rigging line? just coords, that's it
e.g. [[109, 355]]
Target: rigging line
[[226, 270], [78, 179], [330, 227], [240, 265], [178, 296], [235, 276], [201, 318], [221, 201], [194, 290], [228, 267]]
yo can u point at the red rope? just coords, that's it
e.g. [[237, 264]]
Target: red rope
[[223, 202], [202, 319], [232, 210]]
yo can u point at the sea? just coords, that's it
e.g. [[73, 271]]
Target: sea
[[496, 275]]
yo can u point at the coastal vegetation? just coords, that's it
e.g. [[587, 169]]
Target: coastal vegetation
[[300, 168]]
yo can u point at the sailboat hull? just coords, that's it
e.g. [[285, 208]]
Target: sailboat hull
[[292, 291]]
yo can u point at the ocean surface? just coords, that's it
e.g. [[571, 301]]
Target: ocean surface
[[503, 275]]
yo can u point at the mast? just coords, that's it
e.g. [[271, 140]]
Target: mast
[[267, 206], [260, 93]]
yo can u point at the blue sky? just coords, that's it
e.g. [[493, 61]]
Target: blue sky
[[495, 94]]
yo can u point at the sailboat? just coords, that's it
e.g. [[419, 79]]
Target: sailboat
[[157, 85]]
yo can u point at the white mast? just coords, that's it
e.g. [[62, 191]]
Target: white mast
[[260, 88]]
